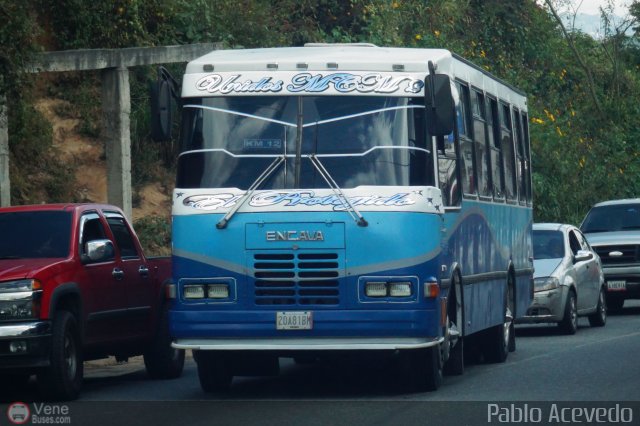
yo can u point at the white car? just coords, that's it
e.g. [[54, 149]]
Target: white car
[[568, 279]]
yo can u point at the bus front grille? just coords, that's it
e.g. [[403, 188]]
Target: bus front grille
[[296, 279]]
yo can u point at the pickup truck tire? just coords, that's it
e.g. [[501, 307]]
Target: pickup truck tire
[[62, 380], [615, 302], [160, 359]]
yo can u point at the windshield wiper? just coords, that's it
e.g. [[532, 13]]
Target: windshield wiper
[[9, 257], [267, 172], [355, 214]]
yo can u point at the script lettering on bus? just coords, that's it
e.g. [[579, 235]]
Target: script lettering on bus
[[293, 199], [216, 83], [308, 198], [311, 83], [346, 82]]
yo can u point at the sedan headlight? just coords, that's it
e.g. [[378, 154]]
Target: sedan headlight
[[20, 299], [545, 283]]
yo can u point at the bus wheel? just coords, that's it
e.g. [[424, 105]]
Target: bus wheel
[[213, 371], [423, 368], [499, 336], [454, 335]]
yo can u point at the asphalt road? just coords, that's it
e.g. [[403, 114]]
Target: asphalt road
[[595, 364]]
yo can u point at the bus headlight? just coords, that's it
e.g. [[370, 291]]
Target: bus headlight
[[193, 292], [388, 289], [376, 289], [218, 291], [20, 299], [400, 289]]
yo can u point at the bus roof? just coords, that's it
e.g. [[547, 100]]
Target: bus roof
[[344, 57], [321, 57]]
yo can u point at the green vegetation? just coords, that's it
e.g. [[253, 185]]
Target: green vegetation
[[582, 92]]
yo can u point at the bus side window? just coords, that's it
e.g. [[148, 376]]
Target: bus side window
[[465, 142], [480, 144], [520, 160], [508, 152], [495, 149]]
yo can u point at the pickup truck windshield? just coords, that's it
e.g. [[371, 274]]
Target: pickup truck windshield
[[611, 218], [38, 234], [228, 142]]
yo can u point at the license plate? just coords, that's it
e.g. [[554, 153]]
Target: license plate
[[294, 320], [616, 285]]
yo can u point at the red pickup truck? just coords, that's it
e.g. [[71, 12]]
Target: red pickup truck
[[76, 286]]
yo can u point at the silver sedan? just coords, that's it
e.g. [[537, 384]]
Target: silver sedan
[[568, 279]]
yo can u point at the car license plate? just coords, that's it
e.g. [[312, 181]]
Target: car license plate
[[294, 320], [616, 285]]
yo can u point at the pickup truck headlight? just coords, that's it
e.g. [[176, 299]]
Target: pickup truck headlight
[[545, 283], [20, 300]]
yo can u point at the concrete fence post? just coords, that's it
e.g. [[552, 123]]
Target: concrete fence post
[[5, 186], [116, 104]]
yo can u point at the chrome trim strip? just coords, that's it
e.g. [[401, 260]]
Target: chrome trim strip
[[307, 344], [31, 329]]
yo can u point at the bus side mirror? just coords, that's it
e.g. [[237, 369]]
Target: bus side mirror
[[161, 92], [161, 110], [438, 101]]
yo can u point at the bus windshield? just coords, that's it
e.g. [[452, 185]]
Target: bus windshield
[[228, 142]]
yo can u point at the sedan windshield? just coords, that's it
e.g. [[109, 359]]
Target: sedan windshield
[[230, 141], [611, 218], [548, 245], [29, 235]]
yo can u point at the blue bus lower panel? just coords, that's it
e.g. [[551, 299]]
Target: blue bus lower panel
[[326, 323]]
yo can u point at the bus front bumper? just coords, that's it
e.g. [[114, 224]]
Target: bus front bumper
[[307, 344]]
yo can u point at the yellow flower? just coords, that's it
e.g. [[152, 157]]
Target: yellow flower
[[537, 120], [549, 115], [558, 131], [437, 33], [582, 162], [482, 54], [418, 36], [395, 5]]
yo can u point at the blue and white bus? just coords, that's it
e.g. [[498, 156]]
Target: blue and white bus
[[334, 198]]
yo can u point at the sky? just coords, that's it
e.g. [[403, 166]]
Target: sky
[[591, 7]]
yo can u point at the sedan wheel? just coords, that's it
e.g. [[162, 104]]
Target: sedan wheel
[[569, 323], [599, 317]]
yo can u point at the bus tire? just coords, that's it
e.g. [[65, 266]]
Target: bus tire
[[496, 348], [455, 323], [161, 361], [214, 371], [424, 368]]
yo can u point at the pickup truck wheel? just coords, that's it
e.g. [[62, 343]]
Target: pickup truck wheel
[[160, 359], [214, 371], [569, 323], [63, 378], [599, 317], [615, 302]]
